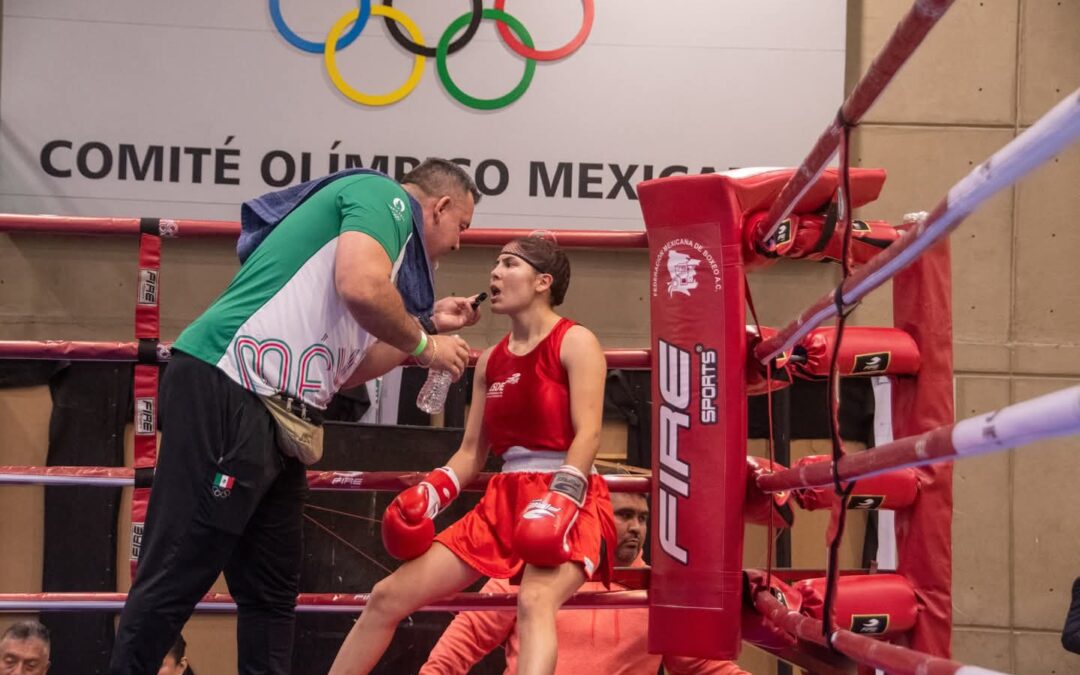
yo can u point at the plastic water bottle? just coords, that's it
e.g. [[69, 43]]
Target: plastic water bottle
[[432, 396]]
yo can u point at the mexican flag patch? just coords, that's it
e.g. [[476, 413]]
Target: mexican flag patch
[[223, 481]]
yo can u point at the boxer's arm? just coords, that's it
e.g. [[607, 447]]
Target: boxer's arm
[[470, 637], [686, 665], [471, 455], [540, 535], [586, 370]]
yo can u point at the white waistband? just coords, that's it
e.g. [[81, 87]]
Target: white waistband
[[518, 459]]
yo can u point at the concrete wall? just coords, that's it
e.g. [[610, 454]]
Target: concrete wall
[[988, 71]]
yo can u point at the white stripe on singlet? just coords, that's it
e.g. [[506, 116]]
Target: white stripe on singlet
[[518, 459]]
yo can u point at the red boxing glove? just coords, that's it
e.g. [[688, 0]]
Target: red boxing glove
[[407, 526], [895, 490], [541, 535], [757, 375], [865, 350], [873, 604], [815, 236], [756, 629], [758, 504]]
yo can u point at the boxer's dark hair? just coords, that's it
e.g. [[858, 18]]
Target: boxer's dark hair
[[547, 258]]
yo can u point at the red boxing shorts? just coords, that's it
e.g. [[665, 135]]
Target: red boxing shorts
[[482, 538]]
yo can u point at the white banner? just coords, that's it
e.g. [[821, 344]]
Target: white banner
[[185, 109]]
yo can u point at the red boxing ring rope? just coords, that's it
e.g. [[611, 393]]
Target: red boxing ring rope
[[76, 350], [338, 603], [82, 225], [907, 37], [329, 481], [1049, 416], [891, 658], [73, 350], [640, 359], [86, 225], [1038, 144]]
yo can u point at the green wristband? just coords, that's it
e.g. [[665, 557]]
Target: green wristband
[[422, 344]]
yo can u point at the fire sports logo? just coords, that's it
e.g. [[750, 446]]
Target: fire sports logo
[[674, 476], [869, 624], [355, 478]]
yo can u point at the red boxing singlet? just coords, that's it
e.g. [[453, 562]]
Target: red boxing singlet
[[528, 397]]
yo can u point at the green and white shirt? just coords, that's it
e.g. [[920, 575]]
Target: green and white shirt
[[280, 326]]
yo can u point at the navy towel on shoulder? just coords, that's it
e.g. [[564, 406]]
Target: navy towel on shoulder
[[259, 217]]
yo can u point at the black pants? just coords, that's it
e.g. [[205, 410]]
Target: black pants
[[223, 498]]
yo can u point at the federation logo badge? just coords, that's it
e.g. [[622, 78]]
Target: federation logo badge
[[682, 268]]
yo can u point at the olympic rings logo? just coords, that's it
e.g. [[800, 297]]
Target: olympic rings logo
[[511, 30]]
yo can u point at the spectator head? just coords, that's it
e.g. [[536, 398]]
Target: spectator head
[[631, 525], [24, 649]]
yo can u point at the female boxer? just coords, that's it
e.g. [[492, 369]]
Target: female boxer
[[537, 402]]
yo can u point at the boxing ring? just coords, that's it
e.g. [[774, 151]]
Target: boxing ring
[[703, 234]]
